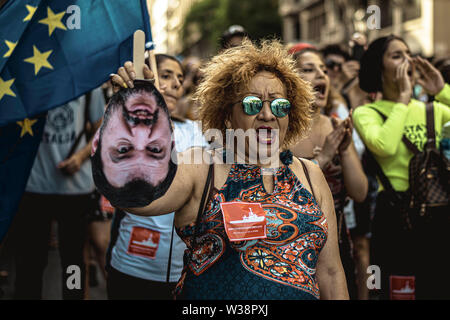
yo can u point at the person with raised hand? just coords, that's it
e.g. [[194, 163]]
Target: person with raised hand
[[388, 68], [145, 256], [330, 144]]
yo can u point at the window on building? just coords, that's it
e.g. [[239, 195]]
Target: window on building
[[296, 22], [340, 13], [412, 9], [386, 9], [316, 22]]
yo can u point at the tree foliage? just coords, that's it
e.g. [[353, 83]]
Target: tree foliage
[[210, 18]]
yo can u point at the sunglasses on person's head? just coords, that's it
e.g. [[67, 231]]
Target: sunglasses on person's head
[[253, 105], [331, 64]]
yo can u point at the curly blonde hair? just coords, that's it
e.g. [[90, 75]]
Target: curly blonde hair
[[228, 75]]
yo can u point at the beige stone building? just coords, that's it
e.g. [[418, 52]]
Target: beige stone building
[[422, 23], [167, 17]]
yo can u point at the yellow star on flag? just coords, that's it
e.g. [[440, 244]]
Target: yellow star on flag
[[53, 21], [31, 11], [5, 88], [39, 60], [11, 46], [26, 125]]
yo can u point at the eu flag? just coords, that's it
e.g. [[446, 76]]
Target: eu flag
[[51, 52]]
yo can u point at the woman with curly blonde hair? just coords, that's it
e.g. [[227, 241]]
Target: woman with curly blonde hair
[[253, 230]]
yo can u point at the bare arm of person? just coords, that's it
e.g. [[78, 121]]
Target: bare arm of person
[[329, 271], [355, 179], [182, 196], [182, 192], [73, 164]]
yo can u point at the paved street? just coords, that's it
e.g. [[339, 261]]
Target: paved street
[[52, 282]]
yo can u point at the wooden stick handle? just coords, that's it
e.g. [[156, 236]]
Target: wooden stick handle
[[152, 59], [138, 53]]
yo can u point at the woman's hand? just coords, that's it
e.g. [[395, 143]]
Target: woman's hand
[[330, 147], [431, 79], [126, 75], [403, 82], [347, 125]]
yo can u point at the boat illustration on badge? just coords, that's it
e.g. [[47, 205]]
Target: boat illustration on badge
[[405, 289], [250, 218], [147, 243]]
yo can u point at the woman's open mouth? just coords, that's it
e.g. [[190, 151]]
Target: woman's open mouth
[[320, 90], [266, 135]]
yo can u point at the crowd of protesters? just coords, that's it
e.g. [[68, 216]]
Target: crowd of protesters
[[360, 102]]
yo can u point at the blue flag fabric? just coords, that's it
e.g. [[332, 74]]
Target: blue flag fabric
[[18, 147], [51, 52], [60, 55]]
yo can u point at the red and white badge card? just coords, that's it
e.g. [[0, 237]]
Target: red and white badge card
[[402, 287], [244, 220], [143, 242]]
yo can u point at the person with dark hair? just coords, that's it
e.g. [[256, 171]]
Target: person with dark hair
[[145, 256], [335, 58], [330, 144], [414, 258], [343, 70]]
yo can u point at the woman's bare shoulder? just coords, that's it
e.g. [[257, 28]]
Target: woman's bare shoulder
[[316, 177], [313, 169]]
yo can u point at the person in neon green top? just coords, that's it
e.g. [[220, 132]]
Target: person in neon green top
[[384, 138], [387, 67]]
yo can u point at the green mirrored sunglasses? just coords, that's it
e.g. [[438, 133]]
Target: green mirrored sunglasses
[[253, 105]]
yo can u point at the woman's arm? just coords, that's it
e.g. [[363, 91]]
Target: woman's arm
[[73, 164], [181, 191], [330, 273], [355, 179]]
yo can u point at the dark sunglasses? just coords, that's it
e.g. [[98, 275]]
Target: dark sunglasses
[[253, 105], [331, 64]]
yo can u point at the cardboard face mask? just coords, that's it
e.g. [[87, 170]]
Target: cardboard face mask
[[131, 161]]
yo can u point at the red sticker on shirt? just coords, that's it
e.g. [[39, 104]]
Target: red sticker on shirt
[[402, 287], [143, 242], [244, 220]]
